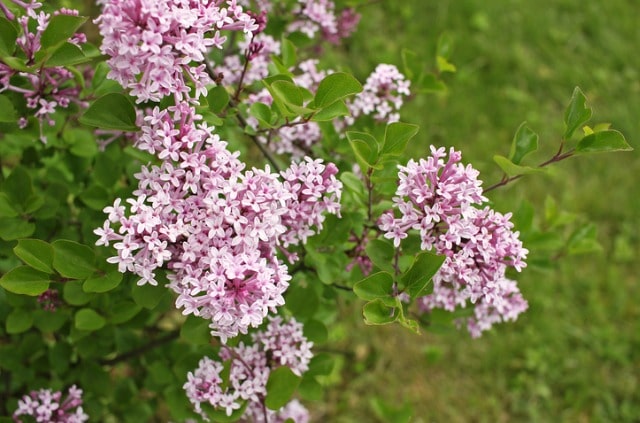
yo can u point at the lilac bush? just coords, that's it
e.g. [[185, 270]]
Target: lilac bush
[[210, 191]]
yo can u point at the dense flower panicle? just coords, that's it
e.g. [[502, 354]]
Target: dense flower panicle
[[314, 16], [157, 47], [216, 226], [440, 200], [47, 406], [382, 95], [49, 88], [280, 344]]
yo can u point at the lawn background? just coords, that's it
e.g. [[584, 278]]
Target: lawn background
[[574, 355]]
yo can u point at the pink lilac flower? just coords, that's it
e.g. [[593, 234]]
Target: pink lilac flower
[[232, 67], [382, 95], [279, 344], [47, 406], [157, 47], [45, 89], [216, 226], [440, 200]]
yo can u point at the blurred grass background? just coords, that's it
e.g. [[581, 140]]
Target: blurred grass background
[[574, 356]]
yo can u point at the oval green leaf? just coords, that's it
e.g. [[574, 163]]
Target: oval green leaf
[[281, 385], [335, 87], [111, 111], [73, 260], [25, 280], [603, 142], [89, 320], [35, 253]]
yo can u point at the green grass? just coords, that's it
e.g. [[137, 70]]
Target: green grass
[[575, 354]]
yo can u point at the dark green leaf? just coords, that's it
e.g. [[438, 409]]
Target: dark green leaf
[[15, 228], [19, 320], [377, 313], [302, 301], [354, 184], [7, 112], [111, 111], [73, 294], [513, 169], [365, 147], [381, 252], [419, 275], [89, 320], [25, 280], [36, 253], [6, 206], [67, 54], [316, 331], [83, 143], [60, 29], [148, 296], [431, 84], [103, 282], [195, 330], [310, 389], [524, 142], [18, 187], [320, 365], [375, 286], [584, 240], [577, 113], [48, 321], [220, 416], [281, 385], [95, 197], [262, 112], [218, 98], [335, 87], [396, 137], [123, 311], [8, 35], [73, 260], [603, 141]]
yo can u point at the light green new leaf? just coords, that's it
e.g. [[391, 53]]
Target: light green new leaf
[[577, 114], [25, 280], [35, 253], [512, 169], [89, 320], [73, 260], [335, 87], [603, 142], [377, 313], [111, 111], [524, 142], [281, 385], [396, 137], [374, 286]]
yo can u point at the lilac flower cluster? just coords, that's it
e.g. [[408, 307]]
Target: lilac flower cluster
[[440, 200], [256, 55], [46, 88], [155, 45], [215, 225], [280, 344], [382, 95], [48, 407]]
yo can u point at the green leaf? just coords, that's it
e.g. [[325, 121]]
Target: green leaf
[[365, 147], [444, 65], [25, 280], [381, 252], [220, 416], [332, 111], [512, 169], [302, 301], [320, 365], [316, 331], [584, 240], [103, 282], [195, 330], [48, 321], [524, 142], [83, 142], [309, 389], [95, 197], [354, 184], [419, 275], [73, 260], [281, 385], [396, 137], [6, 207], [377, 313], [18, 187], [262, 112], [60, 29], [7, 112], [375, 286], [289, 58], [218, 98], [603, 141], [35, 253], [335, 87], [111, 111], [123, 311], [19, 320], [431, 84], [8, 36], [577, 113], [73, 294], [15, 228], [148, 296], [412, 67], [445, 45], [67, 54], [89, 320]]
